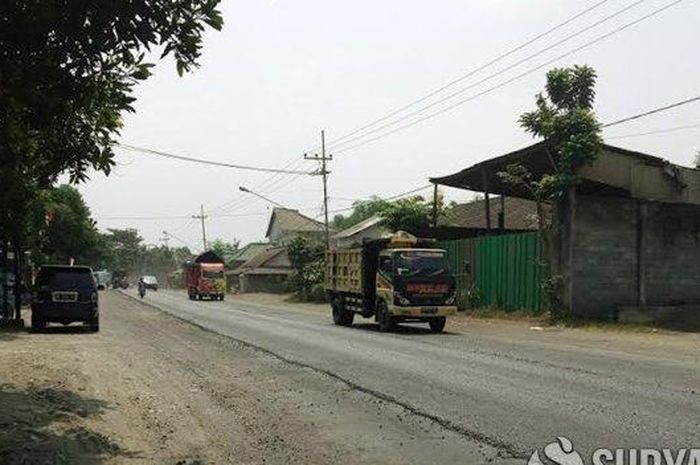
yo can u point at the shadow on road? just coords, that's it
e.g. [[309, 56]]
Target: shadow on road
[[400, 329], [60, 329], [46, 426]]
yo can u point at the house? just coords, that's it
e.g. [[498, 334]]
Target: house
[[245, 253], [625, 237], [267, 271], [241, 256], [286, 224], [371, 228]]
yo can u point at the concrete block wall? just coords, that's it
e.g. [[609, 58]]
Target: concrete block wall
[[604, 261], [629, 252], [671, 243]]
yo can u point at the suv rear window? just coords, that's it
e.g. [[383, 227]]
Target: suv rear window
[[65, 278]]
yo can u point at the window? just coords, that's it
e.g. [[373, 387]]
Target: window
[[386, 265]]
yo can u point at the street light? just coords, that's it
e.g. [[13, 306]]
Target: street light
[[248, 191]]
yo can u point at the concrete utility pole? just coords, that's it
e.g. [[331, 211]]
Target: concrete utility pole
[[202, 217], [324, 172]]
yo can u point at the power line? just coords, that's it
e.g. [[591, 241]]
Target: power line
[[207, 162], [515, 78], [658, 131], [470, 73], [492, 75], [654, 111]]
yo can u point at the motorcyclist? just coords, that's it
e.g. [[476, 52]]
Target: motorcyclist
[[142, 287]]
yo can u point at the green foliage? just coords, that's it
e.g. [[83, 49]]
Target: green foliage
[[68, 71], [564, 118], [407, 214], [61, 228], [361, 210], [307, 260], [127, 254], [224, 249]]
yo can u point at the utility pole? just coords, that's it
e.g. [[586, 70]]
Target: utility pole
[[324, 172], [166, 239], [202, 217]]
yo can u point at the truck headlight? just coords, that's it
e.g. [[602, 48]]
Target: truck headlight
[[401, 300]]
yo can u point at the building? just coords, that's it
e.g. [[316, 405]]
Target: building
[[267, 271], [286, 224], [521, 215], [626, 238], [371, 228]]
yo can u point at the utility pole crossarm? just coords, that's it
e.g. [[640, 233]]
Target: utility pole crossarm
[[323, 158], [202, 217]]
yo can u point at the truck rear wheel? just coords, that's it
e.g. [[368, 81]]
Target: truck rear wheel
[[437, 324], [387, 322], [341, 316]]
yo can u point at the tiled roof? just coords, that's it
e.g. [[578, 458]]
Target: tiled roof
[[292, 220], [359, 227], [520, 214], [262, 261]]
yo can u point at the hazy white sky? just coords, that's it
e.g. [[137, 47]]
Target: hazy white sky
[[283, 70]]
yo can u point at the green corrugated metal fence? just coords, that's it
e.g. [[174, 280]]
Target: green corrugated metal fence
[[500, 271]]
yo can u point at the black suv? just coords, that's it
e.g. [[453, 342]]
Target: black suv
[[65, 294]]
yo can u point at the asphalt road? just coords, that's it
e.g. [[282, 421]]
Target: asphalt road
[[504, 393]]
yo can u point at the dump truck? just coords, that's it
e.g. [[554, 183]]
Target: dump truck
[[205, 278], [396, 279]]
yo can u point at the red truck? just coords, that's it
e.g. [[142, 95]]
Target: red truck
[[205, 277]]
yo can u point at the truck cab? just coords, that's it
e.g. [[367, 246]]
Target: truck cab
[[397, 279]]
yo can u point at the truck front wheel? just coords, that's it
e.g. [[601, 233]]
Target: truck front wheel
[[341, 316], [437, 324], [386, 321]]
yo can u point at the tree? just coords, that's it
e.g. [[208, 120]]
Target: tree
[[307, 260], [62, 228], [224, 248], [565, 120], [361, 210], [409, 214], [127, 249], [67, 73]]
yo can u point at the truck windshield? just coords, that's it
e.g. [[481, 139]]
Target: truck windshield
[[423, 263], [213, 274]]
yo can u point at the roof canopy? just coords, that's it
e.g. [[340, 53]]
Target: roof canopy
[[616, 171]]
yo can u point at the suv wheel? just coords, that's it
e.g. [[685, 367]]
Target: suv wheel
[[37, 324], [93, 325]]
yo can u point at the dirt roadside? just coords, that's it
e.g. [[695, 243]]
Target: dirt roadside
[[149, 389]]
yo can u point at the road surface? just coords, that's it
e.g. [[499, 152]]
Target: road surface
[[176, 382], [501, 395]]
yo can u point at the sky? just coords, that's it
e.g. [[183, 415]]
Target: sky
[[282, 71]]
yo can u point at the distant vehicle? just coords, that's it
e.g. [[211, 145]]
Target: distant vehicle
[[150, 282], [205, 277], [65, 294], [119, 280], [102, 278], [397, 279]]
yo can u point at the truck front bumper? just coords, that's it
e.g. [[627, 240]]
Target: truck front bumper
[[423, 312]]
